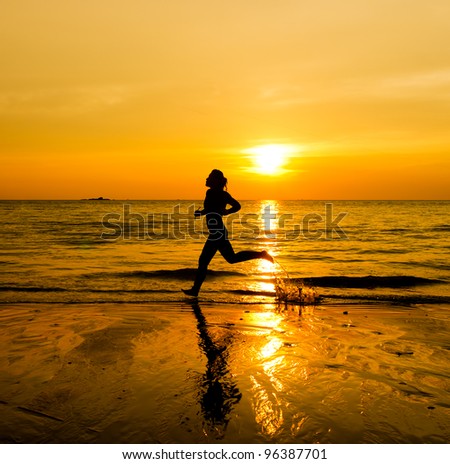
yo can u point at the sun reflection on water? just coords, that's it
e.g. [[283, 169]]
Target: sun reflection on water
[[270, 348], [268, 413], [272, 384], [269, 213], [264, 269], [267, 385]]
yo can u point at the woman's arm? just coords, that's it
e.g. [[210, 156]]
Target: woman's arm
[[208, 205], [201, 212], [235, 206]]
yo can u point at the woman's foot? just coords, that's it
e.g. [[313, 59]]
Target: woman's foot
[[190, 292], [265, 255]]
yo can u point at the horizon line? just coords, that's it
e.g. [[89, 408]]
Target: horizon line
[[201, 199]]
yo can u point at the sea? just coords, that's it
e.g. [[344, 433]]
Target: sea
[[146, 251]]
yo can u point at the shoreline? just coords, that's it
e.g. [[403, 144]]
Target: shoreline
[[203, 372]]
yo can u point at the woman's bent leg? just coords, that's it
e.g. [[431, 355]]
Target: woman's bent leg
[[207, 254]]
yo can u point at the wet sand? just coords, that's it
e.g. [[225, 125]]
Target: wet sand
[[208, 373]]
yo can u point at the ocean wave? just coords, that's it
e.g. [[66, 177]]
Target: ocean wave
[[441, 228], [405, 300], [394, 251], [82, 242], [367, 281], [137, 290], [10, 288], [396, 229], [258, 298], [252, 292], [171, 274]]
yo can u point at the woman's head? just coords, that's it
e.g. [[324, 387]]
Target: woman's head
[[216, 180]]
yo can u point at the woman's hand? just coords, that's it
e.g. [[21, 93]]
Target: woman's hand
[[198, 214]]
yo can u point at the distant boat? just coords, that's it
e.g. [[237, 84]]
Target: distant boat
[[99, 198]]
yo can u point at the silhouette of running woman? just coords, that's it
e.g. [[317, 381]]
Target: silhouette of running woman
[[214, 208]]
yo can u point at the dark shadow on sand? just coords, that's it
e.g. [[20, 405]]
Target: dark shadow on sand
[[218, 393]]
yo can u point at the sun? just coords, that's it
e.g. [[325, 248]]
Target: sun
[[270, 159]]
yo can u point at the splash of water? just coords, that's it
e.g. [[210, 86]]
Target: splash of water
[[286, 291]]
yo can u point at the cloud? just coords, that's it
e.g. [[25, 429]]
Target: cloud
[[70, 101], [428, 81], [419, 85]]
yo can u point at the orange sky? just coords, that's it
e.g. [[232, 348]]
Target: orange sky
[[142, 99]]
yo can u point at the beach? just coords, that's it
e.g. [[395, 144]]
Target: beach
[[203, 372]]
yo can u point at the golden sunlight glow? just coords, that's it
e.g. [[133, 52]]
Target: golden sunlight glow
[[268, 229], [271, 347], [270, 159], [148, 131]]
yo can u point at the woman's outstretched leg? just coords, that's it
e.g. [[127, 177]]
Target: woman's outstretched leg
[[231, 257]]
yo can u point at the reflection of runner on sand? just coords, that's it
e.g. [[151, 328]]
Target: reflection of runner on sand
[[215, 207], [218, 393]]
